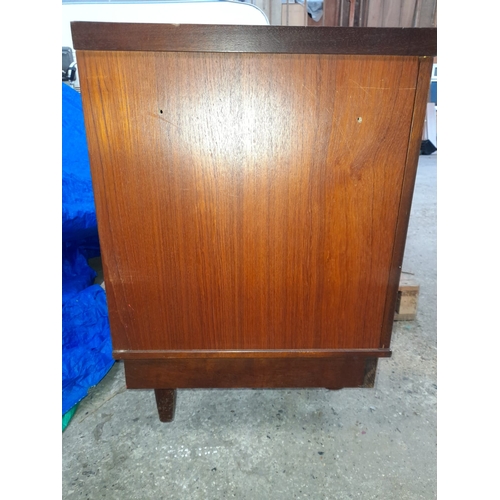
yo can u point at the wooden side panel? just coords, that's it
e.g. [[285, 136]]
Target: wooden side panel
[[247, 201], [413, 151]]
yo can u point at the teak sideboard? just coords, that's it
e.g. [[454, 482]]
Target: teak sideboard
[[253, 187]]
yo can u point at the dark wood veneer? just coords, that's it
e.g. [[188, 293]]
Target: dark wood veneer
[[257, 39], [165, 402], [226, 373]]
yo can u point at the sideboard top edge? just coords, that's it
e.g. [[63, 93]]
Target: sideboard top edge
[[106, 36]]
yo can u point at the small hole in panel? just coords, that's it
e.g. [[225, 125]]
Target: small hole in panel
[[359, 119], [161, 111]]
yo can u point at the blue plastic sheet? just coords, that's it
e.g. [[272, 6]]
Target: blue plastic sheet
[[86, 344], [86, 340], [79, 221]]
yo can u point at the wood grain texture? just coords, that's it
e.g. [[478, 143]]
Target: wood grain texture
[[247, 201], [413, 152], [253, 39], [246, 372]]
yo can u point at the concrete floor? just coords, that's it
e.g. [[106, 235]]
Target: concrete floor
[[375, 443]]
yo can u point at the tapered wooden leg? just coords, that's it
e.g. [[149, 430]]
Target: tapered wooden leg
[[165, 402], [370, 372]]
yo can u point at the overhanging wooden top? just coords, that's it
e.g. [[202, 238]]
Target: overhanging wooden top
[[254, 39]]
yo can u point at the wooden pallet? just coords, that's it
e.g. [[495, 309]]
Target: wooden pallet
[[407, 301]]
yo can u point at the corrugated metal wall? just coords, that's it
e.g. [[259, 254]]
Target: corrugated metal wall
[[374, 13]]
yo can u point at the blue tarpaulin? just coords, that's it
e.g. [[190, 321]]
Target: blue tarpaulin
[[86, 340]]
